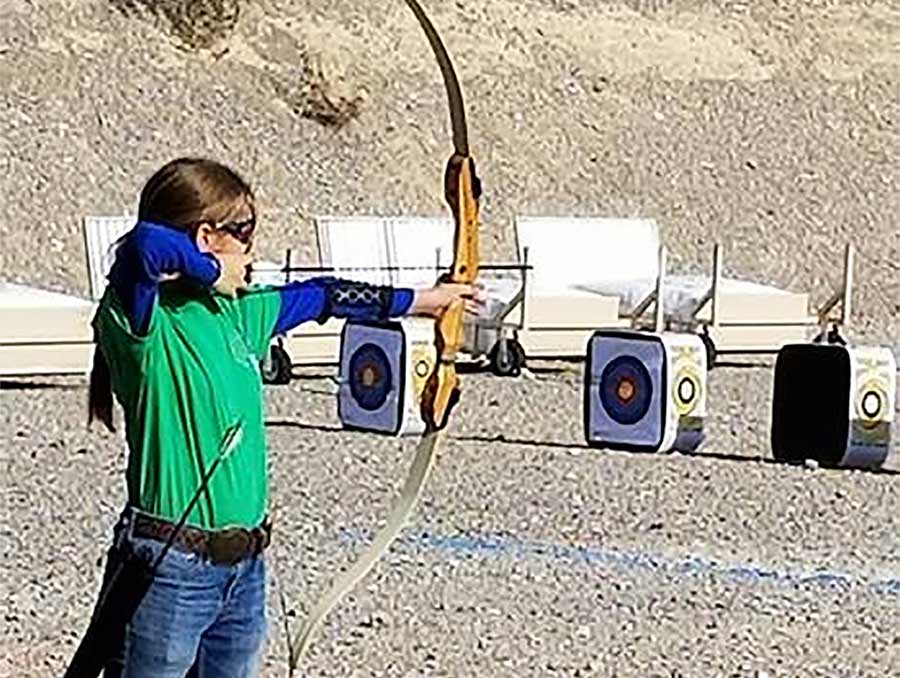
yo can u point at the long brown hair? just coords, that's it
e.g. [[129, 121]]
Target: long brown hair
[[182, 194]]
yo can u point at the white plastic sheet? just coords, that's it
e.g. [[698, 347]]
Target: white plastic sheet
[[414, 244], [682, 294]]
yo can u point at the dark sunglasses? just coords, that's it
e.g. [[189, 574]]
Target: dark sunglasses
[[239, 230]]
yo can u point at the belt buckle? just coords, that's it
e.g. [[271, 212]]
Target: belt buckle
[[229, 547]]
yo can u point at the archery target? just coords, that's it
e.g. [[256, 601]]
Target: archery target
[[687, 390], [372, 381], [423, 361], [872, 426], [645, 391], [383, 370], [624, 404], [833, 404]]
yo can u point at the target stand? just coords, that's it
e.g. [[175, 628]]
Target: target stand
[[645, 391], [383, 370], [834, 404]]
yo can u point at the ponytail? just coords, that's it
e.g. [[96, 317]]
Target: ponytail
[[100, 398]]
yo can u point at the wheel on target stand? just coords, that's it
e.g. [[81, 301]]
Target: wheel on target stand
[[507, 358], [276, 367]]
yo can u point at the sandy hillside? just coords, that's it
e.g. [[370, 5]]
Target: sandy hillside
[[771, 127]]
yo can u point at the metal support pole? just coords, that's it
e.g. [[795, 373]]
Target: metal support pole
[[660, 320], [716, 284], [846, 302]]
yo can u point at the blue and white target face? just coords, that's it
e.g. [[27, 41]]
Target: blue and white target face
[[371, 393], [371, 377], [626, 390], [624, 393]]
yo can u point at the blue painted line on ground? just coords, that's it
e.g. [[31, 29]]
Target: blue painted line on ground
[[500, 546]]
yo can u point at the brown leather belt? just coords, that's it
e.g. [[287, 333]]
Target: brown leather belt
[[222, 547]]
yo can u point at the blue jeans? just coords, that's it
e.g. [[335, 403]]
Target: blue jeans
[[198, 620]]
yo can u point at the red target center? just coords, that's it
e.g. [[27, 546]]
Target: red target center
[[369, 376], [626, 390]]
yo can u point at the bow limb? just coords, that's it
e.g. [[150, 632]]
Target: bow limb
[[461, 191], [409, 494]]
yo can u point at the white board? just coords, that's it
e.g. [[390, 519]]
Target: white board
[[567, 251], [414, 243], [100, 236], [355, 245]]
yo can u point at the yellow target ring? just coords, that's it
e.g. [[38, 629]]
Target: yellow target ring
[[871, 403], [686, 390], [422, 366]]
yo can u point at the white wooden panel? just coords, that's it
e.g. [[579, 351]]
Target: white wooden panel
[[566, 251], [100, 236], [352, 244], [413, 242]]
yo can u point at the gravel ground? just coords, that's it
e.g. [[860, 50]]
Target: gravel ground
[[771, 127], [529, 555]]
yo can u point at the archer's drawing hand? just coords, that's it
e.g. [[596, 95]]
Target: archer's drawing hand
[[233, 275], [435, 300]]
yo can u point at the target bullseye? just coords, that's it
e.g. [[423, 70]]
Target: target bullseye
[[422, 368], [687, 390], [625, 390], [371, 378]]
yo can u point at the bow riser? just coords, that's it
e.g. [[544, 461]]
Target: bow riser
[[462, 190], [465, 265], [462, 187]]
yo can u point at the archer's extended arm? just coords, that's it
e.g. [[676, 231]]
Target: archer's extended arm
[[322, 298]]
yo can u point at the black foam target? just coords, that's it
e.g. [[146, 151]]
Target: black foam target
[[811, 403], [371, 378], [626, 390]]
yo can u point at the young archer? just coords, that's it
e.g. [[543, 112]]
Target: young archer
[[179, 342]]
